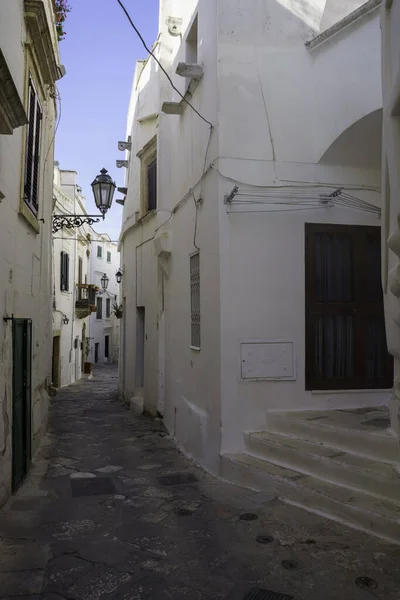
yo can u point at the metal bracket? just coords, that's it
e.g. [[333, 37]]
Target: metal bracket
[[124, 146], [229, 197], [122, 163], [5, 319], [74, 221]]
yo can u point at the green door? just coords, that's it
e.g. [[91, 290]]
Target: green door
[[21, 413]]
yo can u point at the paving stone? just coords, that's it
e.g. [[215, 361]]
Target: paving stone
[[97, 583], [22, 583], [23, 555]]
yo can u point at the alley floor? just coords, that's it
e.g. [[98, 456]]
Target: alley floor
[[111, 509]]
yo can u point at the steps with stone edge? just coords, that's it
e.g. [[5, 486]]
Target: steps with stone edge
[[337, 475]]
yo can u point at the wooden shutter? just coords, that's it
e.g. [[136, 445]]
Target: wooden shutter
[[66, 272], [62, 271], [345, 329], [32, 160], [152, 185], [99, 312]]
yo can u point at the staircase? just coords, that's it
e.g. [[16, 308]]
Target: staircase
[[339, 464]]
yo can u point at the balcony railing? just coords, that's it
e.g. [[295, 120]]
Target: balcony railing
[[85, 302]]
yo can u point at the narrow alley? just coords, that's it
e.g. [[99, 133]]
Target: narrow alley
[[111, 509]]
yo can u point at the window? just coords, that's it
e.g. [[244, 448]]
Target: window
[[64, 272], [31, 182], [99, 312], [152, 185], [99, 252], [80, 270], [106, 346], [148, 176], [108, 308], [195, 299], [108, 257], [345, 328]]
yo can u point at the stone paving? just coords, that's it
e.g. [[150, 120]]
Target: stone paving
[[101, 516]]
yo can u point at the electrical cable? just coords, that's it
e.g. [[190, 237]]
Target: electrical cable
[[160, 65], [196, 206], [58, 96], [297, 184]]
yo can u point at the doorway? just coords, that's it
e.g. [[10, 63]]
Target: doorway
[[107, 347], [140, 343], [21, 400], [55, 370], [96, 352], [345, 325], [77, 359]]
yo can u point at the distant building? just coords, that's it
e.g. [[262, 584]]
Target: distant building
[[104, 326], [29, 69], [74, 294]]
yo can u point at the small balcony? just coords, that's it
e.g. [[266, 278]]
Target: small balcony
[[85, 302]]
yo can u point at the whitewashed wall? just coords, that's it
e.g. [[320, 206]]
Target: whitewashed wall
[[390, 22], [25, 254], [291, 105], [277, 108]]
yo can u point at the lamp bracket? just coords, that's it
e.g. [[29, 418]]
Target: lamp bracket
[[74, 221]]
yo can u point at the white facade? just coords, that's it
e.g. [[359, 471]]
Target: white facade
[[104, 326], [390, 24], [29, 68], [70, 291], [295, 103]]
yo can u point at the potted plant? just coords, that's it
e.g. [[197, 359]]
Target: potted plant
[[61, 9], [88, 365], [118, 309]]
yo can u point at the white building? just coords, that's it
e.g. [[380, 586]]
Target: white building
[[250, 245], [104, 326], [390, 25], [29, 69], [74, 296]]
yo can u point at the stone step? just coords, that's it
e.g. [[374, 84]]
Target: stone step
[[338, 429], [327, 463], [354, 509]]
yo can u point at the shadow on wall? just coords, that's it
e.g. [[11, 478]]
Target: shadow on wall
[[360, 145]]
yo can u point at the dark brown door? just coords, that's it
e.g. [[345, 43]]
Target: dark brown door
[[345, 326], [21, 407]]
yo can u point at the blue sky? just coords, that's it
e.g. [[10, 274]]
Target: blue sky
[[99, 54]]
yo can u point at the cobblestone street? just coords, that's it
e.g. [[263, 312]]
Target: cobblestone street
[[112, 509]]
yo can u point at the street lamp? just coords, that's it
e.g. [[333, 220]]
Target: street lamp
[[65, 320], [103, 189], [118, 276], [104, 282]]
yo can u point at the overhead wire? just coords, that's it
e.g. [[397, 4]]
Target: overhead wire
[[160, 65], [297, 184], [57, 95]]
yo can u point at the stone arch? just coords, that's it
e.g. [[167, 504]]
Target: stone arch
[[359, 146]]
